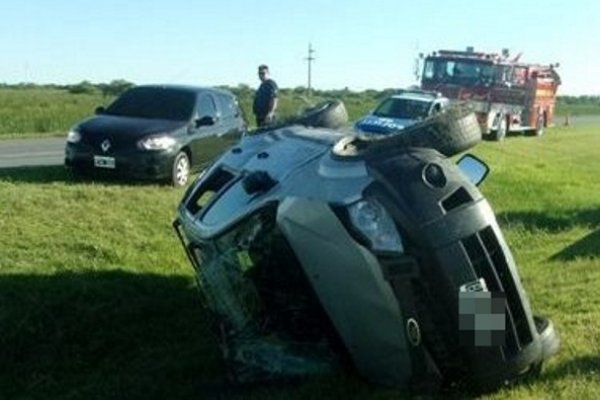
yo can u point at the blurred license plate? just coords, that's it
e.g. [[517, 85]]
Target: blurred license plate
[[104, 162]]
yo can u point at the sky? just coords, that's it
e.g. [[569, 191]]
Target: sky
[[359, 44]]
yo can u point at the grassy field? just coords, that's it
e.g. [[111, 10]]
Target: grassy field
[[37, 111], [43, 112], [97, 300]]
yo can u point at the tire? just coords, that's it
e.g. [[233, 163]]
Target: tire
[[500, 133], [450, 133], [76, 173], [180, 171], [328, 114], [539, 126], [548, 336]]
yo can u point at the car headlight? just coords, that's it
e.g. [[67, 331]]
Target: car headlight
[[161, 142], [370, 218], [73, 136]]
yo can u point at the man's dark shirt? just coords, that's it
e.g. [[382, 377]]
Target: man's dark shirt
[[266, 91]]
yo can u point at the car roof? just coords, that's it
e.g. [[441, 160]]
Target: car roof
[[188, 88], [418, 95], [413, 96]]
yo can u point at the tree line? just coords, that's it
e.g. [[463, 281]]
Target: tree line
[[564, 103]]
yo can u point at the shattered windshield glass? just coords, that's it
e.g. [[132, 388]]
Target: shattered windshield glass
[[252, 279]]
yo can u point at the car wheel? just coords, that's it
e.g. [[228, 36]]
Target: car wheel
[[180, 173], [328, 114], [76, 173]]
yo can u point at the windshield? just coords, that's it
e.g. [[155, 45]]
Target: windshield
[[154, 103], [463, 72], [403, 108]]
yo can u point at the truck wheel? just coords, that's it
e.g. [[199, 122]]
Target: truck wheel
[[500, 132], [328, 114], [539, 126], [180, 172]]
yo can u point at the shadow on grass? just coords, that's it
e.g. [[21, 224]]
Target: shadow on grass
[[58, 173], [588, 247], [552, 223], [120, 335], [584, 365], [106, 335], [37, 174]]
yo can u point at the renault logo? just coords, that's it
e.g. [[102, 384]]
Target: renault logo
[[413, 332], [105, 146], [475, 286]]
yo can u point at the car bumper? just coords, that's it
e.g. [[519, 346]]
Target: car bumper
[[150, 165], [388, 355]]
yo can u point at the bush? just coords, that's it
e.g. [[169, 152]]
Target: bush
[[84, 87]]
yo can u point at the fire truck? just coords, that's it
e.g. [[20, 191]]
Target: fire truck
[[506, 95]]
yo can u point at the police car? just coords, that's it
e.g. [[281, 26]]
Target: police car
[[401, 110]]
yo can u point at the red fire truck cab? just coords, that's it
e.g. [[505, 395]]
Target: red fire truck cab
[[507, 95]]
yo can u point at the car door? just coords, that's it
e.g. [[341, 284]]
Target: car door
[[204, 130], [232, 122]]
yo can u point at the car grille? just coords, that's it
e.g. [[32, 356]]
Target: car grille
[[488, 261], [117, 142]]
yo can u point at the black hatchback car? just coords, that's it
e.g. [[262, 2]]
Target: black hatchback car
[[157, 132]]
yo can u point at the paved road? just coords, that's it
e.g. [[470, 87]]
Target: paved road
[[579, 119], [31, 152]]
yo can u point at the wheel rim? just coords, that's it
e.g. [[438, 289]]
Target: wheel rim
[[501, 130], [182, 171], [540, 126]]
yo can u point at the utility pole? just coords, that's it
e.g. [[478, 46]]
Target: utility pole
[[310, 59]]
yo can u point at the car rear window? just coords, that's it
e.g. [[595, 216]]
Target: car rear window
[[154, 103]]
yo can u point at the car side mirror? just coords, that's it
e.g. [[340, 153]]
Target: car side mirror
[[474, 169], [207, 120], [100, 110]]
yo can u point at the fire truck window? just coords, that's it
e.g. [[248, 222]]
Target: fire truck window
[[464, 72], [428, 70], [486, 75], [451, 68], [470, 70], [519, 76]]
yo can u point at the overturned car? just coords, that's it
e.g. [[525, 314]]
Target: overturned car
[[316, 250]]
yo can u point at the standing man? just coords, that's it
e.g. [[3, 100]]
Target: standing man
[[265, 99]]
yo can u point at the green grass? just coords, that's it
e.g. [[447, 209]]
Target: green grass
[[546, 193], [97, 300], [38, 111], [43, 112]]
